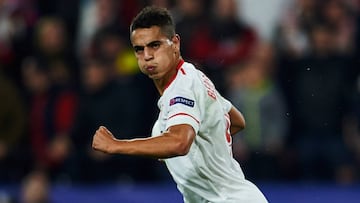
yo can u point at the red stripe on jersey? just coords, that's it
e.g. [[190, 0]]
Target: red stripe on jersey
[[182, 71], [181, 62], [184, 114]]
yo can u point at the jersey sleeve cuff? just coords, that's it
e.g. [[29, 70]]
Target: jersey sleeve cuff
[[183, 118]]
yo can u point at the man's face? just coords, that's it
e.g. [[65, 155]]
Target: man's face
[[156, 54]]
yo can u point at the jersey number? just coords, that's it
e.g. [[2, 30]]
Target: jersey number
[[228, 133]]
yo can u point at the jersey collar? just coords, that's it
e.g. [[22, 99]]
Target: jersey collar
[[181, 62]]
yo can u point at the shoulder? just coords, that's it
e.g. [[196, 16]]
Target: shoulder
[[185, 76], [185, 82], [189, 67], [188, 73]]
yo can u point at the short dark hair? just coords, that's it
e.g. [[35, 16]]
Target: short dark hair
[[154, 16]]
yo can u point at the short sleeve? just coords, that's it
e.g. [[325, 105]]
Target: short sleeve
[[226, 104], [182, 108]]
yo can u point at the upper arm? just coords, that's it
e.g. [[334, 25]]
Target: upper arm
[[182, 106], [184, 136], [237, 120]]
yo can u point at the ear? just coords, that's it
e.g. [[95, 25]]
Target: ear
[[176, 41]]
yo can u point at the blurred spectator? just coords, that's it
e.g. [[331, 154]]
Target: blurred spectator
[[318, 90], [341, 15], [95, 15], [17, 18], [291, 37], [112, 45], [254, 91], [234, 39], [65, 10], [7, 28], [357, 30], [12, 129], [352, 123], [190, 20], [224, 42], [50, 117], [351, 132], [124, 106], [264, 16], [160, 3], [35, 188], [52, 48]]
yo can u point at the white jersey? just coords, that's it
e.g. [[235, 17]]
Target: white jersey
[[208, 173]]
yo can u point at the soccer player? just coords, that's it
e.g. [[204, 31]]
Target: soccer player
[[193, 131]]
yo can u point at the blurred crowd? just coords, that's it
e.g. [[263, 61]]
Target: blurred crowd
[[291, 67]]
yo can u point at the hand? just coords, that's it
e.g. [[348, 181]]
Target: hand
[[103, 140]]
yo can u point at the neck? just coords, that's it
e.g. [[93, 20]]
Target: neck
[[163, 83]]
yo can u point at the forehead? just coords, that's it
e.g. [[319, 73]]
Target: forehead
[[143, 36]]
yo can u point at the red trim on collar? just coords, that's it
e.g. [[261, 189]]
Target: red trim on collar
[[181, 62]]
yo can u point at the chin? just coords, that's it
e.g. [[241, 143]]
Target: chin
[[154, 76]]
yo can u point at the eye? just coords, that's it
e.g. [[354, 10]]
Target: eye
[[138, 49], [154, 45]]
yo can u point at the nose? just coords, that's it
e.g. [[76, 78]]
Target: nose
[[148, 54]]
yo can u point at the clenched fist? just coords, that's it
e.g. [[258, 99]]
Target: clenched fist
[[103, 140]]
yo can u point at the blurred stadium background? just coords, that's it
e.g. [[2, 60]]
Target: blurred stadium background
[[66, 67]]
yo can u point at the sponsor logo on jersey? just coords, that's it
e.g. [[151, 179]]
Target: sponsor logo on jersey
[[182, 100]]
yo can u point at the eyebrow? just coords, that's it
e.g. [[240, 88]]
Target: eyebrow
[[140, 48]]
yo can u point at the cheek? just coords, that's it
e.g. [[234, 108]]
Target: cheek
[[165, 58], [140, 62], [141, 65]]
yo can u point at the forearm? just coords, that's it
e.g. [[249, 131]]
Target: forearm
[[237, 121], [162, 146], [235, 129], [176, 141]]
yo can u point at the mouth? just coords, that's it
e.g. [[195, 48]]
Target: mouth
[[150, 68]]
